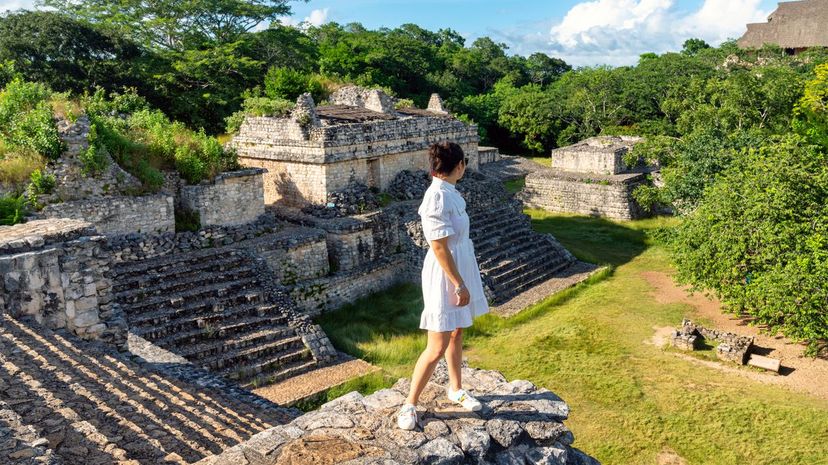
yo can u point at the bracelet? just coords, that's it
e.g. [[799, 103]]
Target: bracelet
[[457, 289]]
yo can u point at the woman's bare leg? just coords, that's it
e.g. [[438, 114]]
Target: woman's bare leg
[[437, 343], [454, 358]]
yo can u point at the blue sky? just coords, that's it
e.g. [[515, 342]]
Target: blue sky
[[613, 32]]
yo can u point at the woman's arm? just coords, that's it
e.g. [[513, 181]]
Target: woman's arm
[[446, 261]]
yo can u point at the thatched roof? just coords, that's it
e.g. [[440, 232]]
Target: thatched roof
[[793, 25]]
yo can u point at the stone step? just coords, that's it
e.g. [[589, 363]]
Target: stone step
[[226, 332], [506, 220], [198, 295], [505, 291], [231, 359], [183, 260], [272, 365], [517, 277], [175, 284], [180, 322], [492, 220], [479, 212], [541, 256], [150, 278], [288, 371], [486, 244], [514, 250]]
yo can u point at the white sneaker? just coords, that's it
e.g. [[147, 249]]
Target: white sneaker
[[407, 417], [465, 399]]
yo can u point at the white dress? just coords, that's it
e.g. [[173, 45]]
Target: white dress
[[443, 213]]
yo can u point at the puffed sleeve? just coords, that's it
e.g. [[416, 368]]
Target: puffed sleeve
[[435, 212]]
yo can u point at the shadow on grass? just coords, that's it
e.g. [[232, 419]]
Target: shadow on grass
[[594, 240]]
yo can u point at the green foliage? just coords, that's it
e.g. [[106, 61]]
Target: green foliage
[[811, 112], [187, 220], [759, 238], [257, 105], [26, 118], [143, 140], [42, 183], [94, 158], [288, 84], [12, 209], [69, 54]]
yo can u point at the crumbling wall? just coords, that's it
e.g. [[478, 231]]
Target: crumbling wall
[[232, 198], [119, 215], [731, 347], [58, 272]]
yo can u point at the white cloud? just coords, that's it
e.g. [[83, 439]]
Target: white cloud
[[316, 17], [616, 32]]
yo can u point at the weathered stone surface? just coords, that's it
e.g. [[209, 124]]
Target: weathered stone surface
[[525, 427]]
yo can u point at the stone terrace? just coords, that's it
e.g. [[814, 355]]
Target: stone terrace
[[63, 400], [519, 424]]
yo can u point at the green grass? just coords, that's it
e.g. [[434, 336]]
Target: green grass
[[629, 400], [514, 185]]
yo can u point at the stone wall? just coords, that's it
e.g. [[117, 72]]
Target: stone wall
[[232, 198], [595, 195], [57, 272], [488, 154], [290, 183], [119, 215], [293, 254], [328, 293], [520, 423], [731, 346], [599, 155]]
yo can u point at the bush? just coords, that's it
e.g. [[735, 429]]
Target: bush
[[759, 239], [187, 220], [12, 209], [288, 84], [255, 105], [94, 157], [26, 118], [42, 183]]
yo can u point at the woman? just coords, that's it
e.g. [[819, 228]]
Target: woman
[[452, 289]]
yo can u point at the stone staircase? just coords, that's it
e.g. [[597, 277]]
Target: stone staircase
[[512, 256], [211, 307], [65, 400]]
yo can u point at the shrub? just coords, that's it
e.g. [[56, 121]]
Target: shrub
[[42, 183], [94, 157], [187, 220], [759, 239], [12, 209], [258, 106]]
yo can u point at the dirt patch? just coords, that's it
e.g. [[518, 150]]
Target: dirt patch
[[669, 457], [798, 372]]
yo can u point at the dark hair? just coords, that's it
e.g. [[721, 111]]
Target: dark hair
[[444, 157]]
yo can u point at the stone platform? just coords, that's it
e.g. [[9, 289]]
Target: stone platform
[[519, 424]]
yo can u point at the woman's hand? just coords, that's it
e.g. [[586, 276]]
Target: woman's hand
[[463, 298]]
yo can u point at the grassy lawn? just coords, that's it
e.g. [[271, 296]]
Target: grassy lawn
[[630, 400]]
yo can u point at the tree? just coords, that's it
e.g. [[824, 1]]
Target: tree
[[759, 239], [543, 69], [693, 46], [69, 55], [172, 24]]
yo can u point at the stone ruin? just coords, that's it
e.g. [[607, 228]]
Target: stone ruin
[[731, 347], [167, 330], [590, 178], [520, 424], [360, 137]]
